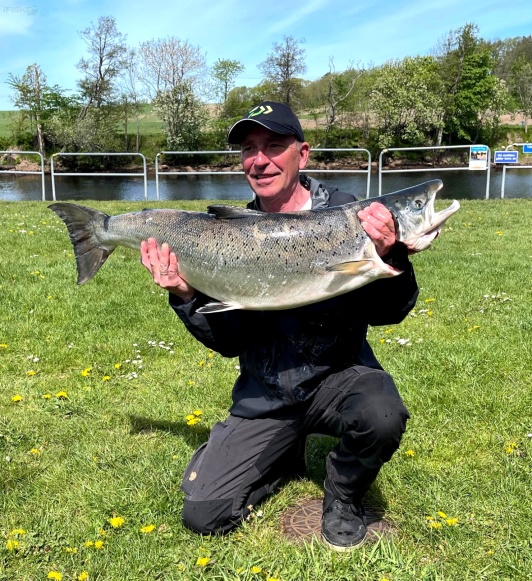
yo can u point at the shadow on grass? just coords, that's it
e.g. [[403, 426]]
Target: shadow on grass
[[191, 434]]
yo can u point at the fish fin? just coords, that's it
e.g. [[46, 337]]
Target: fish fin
[[82, 223], [222, 212], [354, 267], [216, 307]]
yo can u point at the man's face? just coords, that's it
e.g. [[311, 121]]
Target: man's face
[[272, 162]]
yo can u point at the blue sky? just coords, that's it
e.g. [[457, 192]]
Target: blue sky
[[366, 32]]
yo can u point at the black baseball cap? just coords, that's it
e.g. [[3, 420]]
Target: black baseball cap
[[276, 117]]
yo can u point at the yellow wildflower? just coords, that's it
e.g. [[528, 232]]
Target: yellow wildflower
[[435, 525], [116, 522], [429, 300], [499, 233], [72, 550], [147, 529], [35, 452], [193, 421], [452, 522], [83, 576], [98, 544], [55, 575], [203, 561], [89, 544], [118, 365], [272, 579], [31, 373], [442, 514], [16, 398], [256, 570], [410, 453], [201, 363], [17, 532], [106, 378], [61, 395], [47, 396], [12, 545], [3, 345], [86, 371], [197, 412]]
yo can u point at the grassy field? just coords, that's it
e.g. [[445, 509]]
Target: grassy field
[[96, 383]]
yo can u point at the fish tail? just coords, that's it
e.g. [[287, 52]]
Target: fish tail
[[83, 225]]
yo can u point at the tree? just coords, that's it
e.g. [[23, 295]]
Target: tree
[[107, 57], [521, 87], [37, 100], [470, 88], [173, 74], [406, 101], [129, 96], [283, 66], [224, 72]]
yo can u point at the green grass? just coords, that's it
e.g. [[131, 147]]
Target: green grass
[[118, 447]]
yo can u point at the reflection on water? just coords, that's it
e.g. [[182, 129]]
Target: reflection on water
[[457, 184]]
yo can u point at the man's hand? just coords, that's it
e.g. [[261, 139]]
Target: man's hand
[[378, 223], [164, 267]]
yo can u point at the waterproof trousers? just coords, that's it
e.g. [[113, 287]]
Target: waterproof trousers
[[244, 459]]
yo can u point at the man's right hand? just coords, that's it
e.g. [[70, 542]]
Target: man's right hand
[[164, 267]]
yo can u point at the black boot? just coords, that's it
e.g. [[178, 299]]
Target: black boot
[[343, 524]]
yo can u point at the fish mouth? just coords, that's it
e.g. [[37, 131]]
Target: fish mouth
[[436, 222]]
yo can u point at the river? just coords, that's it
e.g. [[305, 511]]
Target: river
[[458, 184]]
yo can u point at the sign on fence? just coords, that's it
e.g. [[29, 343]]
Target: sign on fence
[[527, 147], [478, 157], [506, 157]]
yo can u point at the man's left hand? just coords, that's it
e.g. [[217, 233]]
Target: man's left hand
[[378, 223]]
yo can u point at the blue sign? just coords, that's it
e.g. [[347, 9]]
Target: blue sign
[[506, 156], [527, 147]]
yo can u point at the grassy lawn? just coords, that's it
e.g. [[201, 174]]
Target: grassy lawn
[[96, 383]]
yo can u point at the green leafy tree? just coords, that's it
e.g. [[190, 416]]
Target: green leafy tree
[[224, 72], [282, 68], [406, 102], [521, 87]]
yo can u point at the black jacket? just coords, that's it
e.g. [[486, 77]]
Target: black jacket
[[285, 354]]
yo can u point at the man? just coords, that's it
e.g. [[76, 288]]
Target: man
[[302, 371]]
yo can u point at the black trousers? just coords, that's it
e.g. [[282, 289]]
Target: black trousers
[[244, 459]]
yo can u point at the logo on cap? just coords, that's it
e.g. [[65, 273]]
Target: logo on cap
[[260, 110]]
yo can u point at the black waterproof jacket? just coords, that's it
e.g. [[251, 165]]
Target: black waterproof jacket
[[285, 354]]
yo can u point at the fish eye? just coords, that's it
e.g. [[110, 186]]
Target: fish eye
[[418, 203]]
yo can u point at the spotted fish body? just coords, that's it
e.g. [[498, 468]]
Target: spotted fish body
[[246, 259]]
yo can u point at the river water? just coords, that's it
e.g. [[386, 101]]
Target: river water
[[457, 184]]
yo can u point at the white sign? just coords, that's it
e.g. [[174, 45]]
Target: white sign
[[478, 157]]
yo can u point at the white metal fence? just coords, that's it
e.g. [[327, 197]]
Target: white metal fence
[[21, 171]]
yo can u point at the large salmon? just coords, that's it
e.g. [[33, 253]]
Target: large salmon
[[246, 259]]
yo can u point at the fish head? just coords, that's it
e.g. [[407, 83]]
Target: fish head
[[417, 224]]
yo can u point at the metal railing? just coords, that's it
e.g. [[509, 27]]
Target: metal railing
[[439, 147], [504, 168], [144, 174], [240, 172], [23, 171]]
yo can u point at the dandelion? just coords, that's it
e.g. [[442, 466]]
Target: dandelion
[[272, 579], [12, 545], [118, 365], [17, 533], [452, 522], [499, 233], [98, 544], [31, 373], [201, 363], [3, 345], [147, 529], [83, 576], [441, 514], [473, 328], [89, 544], [256, 570], [116, 522], [35, 452], [435, 525], [55, 575], [106, 378], [86, 372], [16, 398], [72, 550], [203, 561], [61, 395], [511, 447], [193, 421], [197, 412], [410, 453], [47, 396]]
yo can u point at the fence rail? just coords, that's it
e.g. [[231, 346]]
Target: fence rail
[[21, 171], [144, 174]]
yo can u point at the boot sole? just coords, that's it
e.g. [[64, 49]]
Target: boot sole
[[341, 548]]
